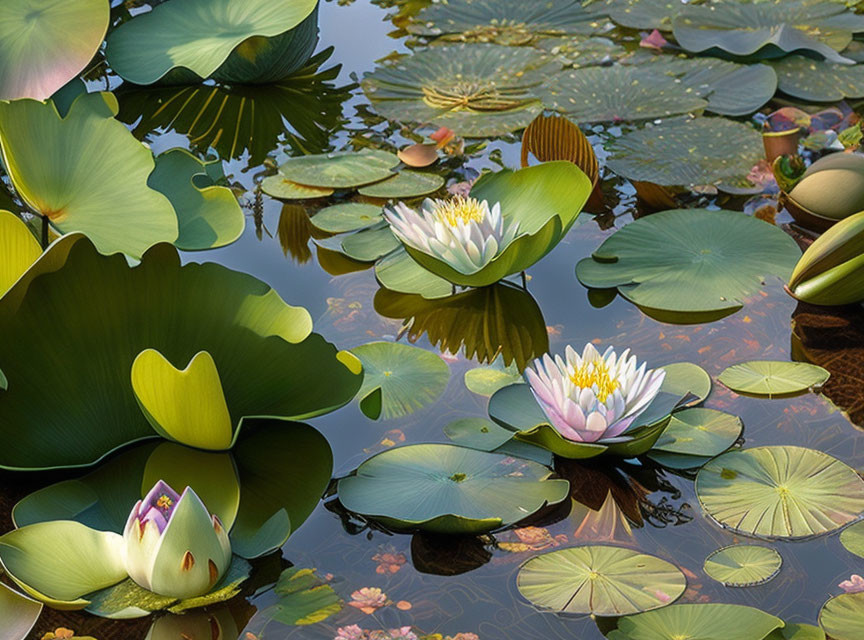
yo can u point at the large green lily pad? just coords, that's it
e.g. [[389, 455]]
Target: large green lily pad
[[46, 43], [772, 377], [819, 81], [842, 617], [639, 14], [743, 565], [684, 152], [711, 621], [780, 492], [66, 169], [444, 488], [399, 378], [19, 613], [477, 90], [261, 346], [229, 40], [694, 436], [340, 170], [690, 260], [600, 580], [507, 22], [768, 29], [852, 538]]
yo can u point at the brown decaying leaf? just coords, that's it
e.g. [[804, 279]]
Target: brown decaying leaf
[[554, 137]]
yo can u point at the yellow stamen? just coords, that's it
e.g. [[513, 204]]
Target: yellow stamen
[[459, 210], [164, 503], [595, 374]]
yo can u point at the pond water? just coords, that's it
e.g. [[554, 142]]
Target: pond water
[[468, 585]]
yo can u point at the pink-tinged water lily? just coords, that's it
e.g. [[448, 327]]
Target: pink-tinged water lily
[[855, 584], [174, 546], [465, 233], [591, 398]]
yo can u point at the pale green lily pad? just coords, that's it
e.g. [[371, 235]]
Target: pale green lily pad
[[18, 613], [852, 539], [842, 617], [780, 492], [600, 580], [618, 93], [405, 184], [478, 90], [399, 272], [773, 378], [340, 169], [794, 631], [444, 488], [404, 377], [208, 215], [348, 216], [686, 152], [281, 187], [819, 81], [485, 381], [639, 14], [710, 621], [229, 40], [691, 260], [743, 565], [303, 598], [46, 43], [685, 377], [71, 176], [507, 22], [768, 29]]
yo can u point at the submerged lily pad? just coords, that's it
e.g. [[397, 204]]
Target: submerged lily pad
[[780, 492], [710, 621], [819, 81], [743, 565], [852, 538], [773, 378], [690, 260], [405, 184], [842, 617], [694, 436], [477, 90], [444, 488], [600, 580], [348, 216], [341, 169], [399, 378], [46, 43], [686, 152], [229, 40]]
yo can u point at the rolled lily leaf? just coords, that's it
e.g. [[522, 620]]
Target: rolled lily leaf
[[18, 613], [831, 189], [18, 249], [831, 271], [62, 561]]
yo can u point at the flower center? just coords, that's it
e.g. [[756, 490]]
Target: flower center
[[164, 503], [596, 375], [458, 211]]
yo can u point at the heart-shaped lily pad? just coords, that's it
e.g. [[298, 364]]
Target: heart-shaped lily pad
[[405, 184], [773, 378], [819, 81], [842, 617], [600, 580], [710, 621], [18, 249], [780, 492], [444, 488], [348, 216], [743, 565], [694, 436], [341, 169]]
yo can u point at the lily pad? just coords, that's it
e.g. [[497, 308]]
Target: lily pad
[[229, 40], [444, 488], [18, 249], [819, 81], [482, 434], [780, 492], [349, 216], [842, 617], [19, 613], [405, 184], [507, 22], [400, 273], [403, 378], [367, 245], [600, 580], [684, 378], [710, 621], [303, 599], [694, 436], [478, 90], [639, 14], [796, 631], [767, 29], [852, 539], [71, 175], [773, 378], [583, 52], [691, 260], [686, 152], [341, 169], [46, 43], [743, 565], [485, 381], [281, 187]]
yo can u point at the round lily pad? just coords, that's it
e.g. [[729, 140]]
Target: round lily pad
[[819, 81], [743, 565], [279, 186], [405, 184], [583, 52], [639, 14], [780, 492], [477, 90], [773, 378], [686, 152], [444, 488], [852, 539], [600, 580], [367, 245], [691, 260], [711, 621], [341, 169], [349, 216], [694, 436], [399, 378], [685, 377], [842, 617]]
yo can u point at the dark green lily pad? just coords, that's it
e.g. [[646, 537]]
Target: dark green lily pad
[[340, 169], [684, 152], [405, 184], [842, 617], [639, 14], [691, 260], [479, 433], [399, 272], [780, 492], [773, 378], [819, 81], [694, 436], [444, 488], [583, 52], [743, 565], [367, 245], [600, 580], [852, 538], [710, 621], [349, 216], [477, 90]]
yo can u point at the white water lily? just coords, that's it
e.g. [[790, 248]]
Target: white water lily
[[463, 232], [592, 397]]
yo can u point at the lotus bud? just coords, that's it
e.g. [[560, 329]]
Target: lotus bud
[[174, 546], [831, 271], [830, 190]]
